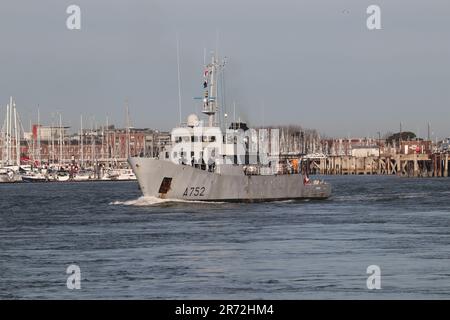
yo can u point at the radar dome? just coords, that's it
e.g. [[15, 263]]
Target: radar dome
[[192, 120]]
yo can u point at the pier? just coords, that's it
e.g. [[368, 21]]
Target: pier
[[407, 165], [401, 154]]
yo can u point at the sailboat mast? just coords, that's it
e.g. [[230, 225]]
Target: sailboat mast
[[81, 140], [103, 144], [92, 141], [114, 145], [3, 143], [16, 136], [127, 131], [7, 134], [108, 153], [60, 139], [52, 140], [38, 132], [10, 129]]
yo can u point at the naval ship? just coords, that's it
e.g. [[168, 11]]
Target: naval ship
[[203, 163]]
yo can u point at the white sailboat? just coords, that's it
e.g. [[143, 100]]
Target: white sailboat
[[10, 162], [119, 175]]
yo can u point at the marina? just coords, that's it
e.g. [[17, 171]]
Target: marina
[[53, 154]]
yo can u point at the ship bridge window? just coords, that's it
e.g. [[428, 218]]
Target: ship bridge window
[[212, 139]]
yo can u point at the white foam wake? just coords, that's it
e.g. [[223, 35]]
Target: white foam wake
[[151, 201]]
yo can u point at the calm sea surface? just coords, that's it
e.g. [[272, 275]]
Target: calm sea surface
[[132, 247]]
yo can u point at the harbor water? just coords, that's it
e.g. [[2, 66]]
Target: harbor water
[[132, 247]]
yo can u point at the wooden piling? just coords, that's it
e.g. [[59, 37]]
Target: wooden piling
[[446, 165]]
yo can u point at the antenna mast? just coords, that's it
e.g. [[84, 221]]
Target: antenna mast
[[179, 79], [210, 101]]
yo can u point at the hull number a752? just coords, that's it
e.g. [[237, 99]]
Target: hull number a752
[[194, 192]]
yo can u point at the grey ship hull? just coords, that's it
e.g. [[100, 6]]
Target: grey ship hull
[[164, 179]]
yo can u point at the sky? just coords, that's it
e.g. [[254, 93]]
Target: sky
[[312, 63]]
